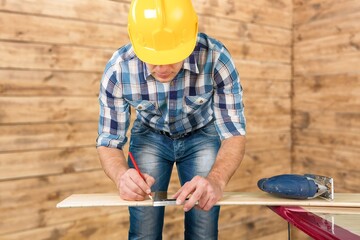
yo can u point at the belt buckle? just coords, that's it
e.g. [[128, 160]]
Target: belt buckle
[[165, 133], [180, 135], [174, 137]]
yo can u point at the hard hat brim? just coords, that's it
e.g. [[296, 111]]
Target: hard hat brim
[[165, 57]]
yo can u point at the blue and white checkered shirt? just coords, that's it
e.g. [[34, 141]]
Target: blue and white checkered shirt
[[207, 87]]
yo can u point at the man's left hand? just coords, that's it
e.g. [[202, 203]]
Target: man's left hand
[[205, 192]]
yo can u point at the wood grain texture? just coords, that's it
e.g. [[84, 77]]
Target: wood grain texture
[[43, 162], [326, 100], [30, 28], [22, 83]]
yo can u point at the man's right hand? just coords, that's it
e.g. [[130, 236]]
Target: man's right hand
[[133, 187]]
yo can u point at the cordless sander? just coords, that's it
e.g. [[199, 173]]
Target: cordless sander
[[296, 186]]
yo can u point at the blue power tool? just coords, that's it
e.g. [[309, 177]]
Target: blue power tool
[[295, 186]]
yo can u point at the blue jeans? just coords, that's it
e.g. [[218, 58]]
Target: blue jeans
[[155, 154]]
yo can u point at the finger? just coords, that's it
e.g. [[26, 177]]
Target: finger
[[139, 181], [203, 201], [149, 180], [127, 194], [184, 192], [177, 193], [193, 200], [129, 187], [210, 203]]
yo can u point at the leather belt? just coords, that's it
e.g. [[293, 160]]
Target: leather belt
[[173, 136]]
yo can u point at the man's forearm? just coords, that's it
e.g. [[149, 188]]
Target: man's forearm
[[113, 162], [228, 160]]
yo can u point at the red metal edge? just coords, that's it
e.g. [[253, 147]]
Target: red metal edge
[[312, 224]]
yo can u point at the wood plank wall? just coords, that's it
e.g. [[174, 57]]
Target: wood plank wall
[[52, 54], [326, 102]]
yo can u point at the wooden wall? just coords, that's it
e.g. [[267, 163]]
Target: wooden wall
[[326, 102], [52, 54]]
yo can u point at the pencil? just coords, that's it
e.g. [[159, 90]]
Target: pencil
[[138, 170]]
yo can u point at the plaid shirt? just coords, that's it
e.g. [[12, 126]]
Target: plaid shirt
[[206, 88]]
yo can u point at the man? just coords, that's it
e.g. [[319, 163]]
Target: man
[[189, 111]]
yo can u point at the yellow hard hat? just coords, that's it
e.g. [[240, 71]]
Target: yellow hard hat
[[162, 31]]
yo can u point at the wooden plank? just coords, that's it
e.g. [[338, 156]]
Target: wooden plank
[[347, 63], [321, 103], [45, 135], [95, 11], [245, 11], [53, 57], [265, 88], [324, 103], [327, 47], [263, 70], [48, 83], [314, 10], [330, 120], [47, 162], [30, 28], [327, 86], [261, 52], [320, 157], [285, 5], [224, 28], [48, 109], [333, 139], [229, 198], [344, 24], [266, 123], [256, 107], [268, 140], [267, 114]]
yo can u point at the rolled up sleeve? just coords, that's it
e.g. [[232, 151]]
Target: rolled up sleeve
[[114, 112], [228, 98]]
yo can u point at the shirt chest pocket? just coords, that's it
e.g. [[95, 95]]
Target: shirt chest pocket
[[145, 106], [193, 103]]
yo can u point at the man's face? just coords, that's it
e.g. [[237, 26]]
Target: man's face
[[165, 73]]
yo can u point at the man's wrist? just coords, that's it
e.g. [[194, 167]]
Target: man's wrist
[[216, 178]]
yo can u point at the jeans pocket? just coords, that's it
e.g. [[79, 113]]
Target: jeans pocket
[[139, 128]]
